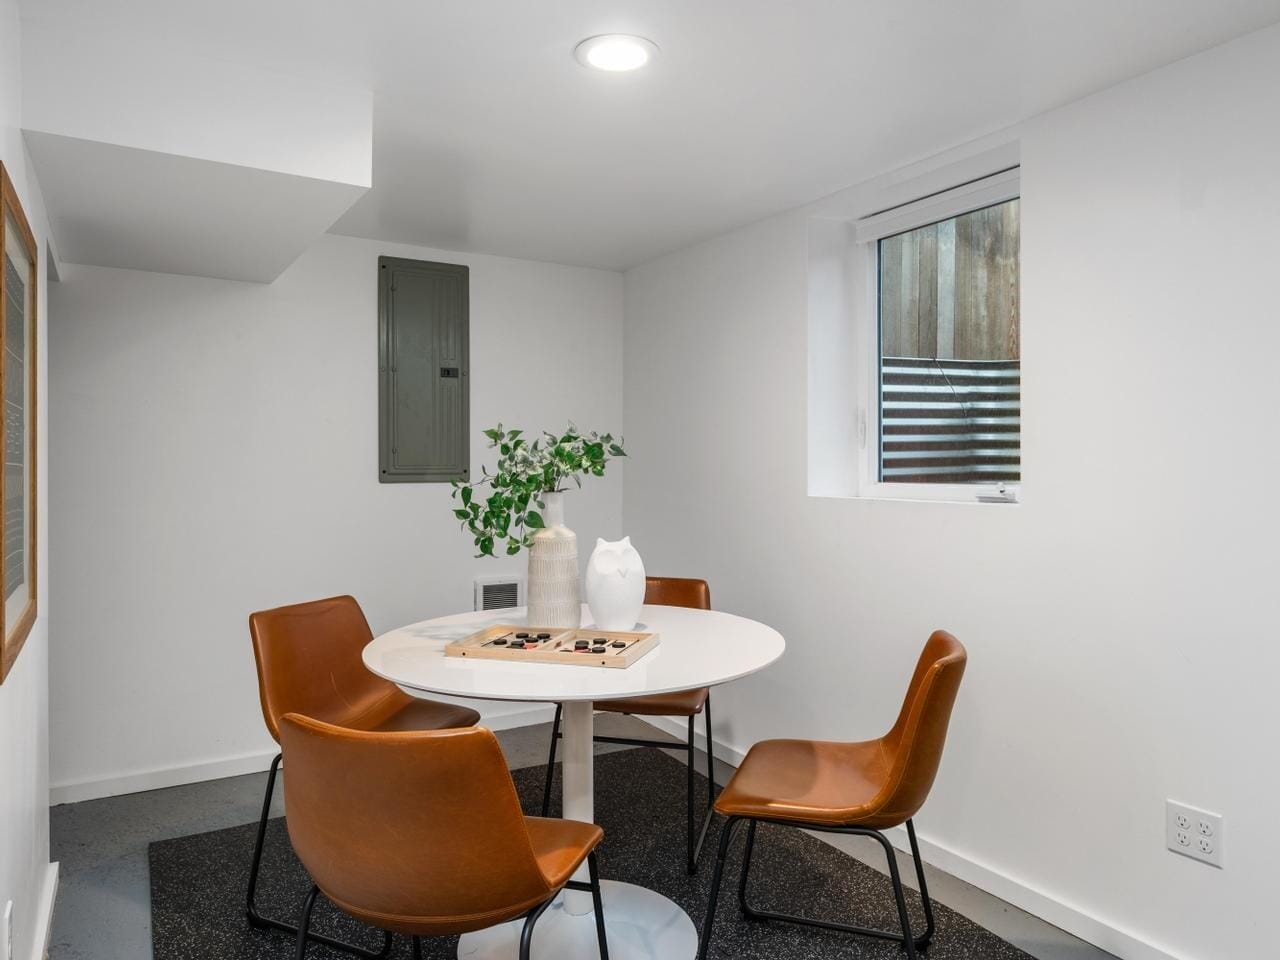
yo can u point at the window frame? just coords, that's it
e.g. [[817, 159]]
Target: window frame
[[996, 188]]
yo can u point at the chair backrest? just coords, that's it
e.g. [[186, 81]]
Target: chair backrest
[[677, 592], [914, 745], [309, 662], [421, 826]]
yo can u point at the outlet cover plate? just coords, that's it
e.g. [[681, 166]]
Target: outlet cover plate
[[1193, 832]]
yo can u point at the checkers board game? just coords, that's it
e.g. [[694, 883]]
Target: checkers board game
[[589, 648]]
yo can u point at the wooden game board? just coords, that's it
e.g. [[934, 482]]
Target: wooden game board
[[495, 643]]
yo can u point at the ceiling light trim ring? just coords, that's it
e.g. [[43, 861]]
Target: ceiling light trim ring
[[615, 52]]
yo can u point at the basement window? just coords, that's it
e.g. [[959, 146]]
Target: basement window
[[941, 415]]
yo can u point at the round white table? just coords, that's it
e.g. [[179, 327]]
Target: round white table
[[698, 648]]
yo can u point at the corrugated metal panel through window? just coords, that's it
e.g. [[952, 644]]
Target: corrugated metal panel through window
[[950, 421]]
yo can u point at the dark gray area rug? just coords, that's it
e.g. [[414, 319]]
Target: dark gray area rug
[[198, 883]]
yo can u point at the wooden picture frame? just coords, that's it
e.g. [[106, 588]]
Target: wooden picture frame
[[19, 272]]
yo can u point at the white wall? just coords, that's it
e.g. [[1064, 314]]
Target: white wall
[[217, 450], [26, 877], [1121, 650]]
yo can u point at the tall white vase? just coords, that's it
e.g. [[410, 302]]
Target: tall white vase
[[555, 590]]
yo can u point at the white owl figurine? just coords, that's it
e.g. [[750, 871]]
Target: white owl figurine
[[615, 585]]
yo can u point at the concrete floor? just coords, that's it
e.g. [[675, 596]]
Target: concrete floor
[[103, 910]]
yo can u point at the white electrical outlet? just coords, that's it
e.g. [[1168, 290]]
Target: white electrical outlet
[[1193, 832], [6, 945]]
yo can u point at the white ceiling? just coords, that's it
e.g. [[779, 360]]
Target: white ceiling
[[488, 136], [115, 206]]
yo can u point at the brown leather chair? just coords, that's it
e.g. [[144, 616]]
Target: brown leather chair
[[853, 788], [421, 833], [669, 592], [308, 657]]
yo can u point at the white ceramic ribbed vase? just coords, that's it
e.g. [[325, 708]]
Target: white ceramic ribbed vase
[[555, 589]]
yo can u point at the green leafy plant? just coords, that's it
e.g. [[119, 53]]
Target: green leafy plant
[[504, 505]]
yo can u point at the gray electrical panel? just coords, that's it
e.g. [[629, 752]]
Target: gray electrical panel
[[423, 375]]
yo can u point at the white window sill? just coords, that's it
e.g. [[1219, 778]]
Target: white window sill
[[958, 501], [962, 495]]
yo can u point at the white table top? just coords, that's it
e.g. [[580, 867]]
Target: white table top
[[698, 648]]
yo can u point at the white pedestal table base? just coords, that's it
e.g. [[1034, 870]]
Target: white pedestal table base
[[642, 924]]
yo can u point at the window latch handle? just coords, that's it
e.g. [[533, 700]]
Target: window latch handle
[[1002, 494]]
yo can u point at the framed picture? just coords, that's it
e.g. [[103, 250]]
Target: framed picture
[[17, 426]]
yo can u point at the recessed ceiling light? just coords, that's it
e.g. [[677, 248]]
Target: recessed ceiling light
[[615, 52]]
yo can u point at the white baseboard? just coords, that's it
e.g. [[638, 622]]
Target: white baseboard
[[96, 788], [526, 717], [136, 781], [1066, 916], [44, 914], [679, 729]]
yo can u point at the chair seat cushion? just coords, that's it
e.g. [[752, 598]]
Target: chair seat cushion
[[401, 712], [808, 781], [560, 846], [681, 703]]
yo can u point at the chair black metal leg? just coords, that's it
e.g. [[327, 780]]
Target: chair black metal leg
[[910, 944], [526, 935], [711, 759], [696, 836], [417, 948], [922, 941], [304, 921], [696, 853], [251, 908], [726, 836], [693, 863], [747, 912], [269, 923], [551, 762], [908, 940], [594, 870]]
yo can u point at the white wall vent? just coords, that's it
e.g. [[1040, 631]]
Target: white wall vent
[[495, 593]]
